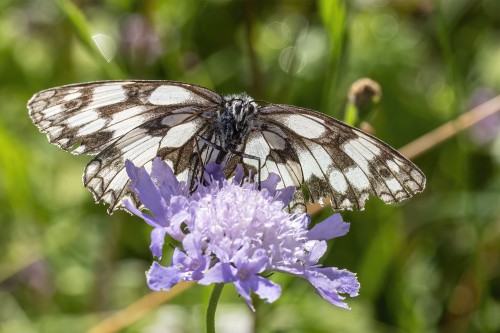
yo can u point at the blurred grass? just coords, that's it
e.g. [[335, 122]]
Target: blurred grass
[[429, 265]]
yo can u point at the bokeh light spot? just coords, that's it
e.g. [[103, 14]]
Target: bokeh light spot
[[106, 46], [440, 96], [384, 26], [292, 60], [276, 35]]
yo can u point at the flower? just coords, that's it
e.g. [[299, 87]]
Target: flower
[[232, 232]]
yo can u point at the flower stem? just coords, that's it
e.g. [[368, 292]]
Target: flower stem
[[212, 306]]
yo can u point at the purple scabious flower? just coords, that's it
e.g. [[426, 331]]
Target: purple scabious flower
[[232, 232]]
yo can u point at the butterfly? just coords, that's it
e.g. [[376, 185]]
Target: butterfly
[[189, 126]]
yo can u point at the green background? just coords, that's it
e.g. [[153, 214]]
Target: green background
[[431, 264]]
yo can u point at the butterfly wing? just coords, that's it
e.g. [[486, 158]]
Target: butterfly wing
[[333, 160], [138, 120], [119, 120]]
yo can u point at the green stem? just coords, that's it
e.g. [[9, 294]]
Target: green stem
[[351, 115], [212, 306]]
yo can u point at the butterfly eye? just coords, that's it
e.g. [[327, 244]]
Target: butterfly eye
[[237, 108], [252, 108]]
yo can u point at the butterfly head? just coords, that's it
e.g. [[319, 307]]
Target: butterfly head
[[238, 110], [235, 119]]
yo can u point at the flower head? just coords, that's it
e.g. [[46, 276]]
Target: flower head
[[232, 232]]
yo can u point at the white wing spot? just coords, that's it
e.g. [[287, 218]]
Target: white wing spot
[[55, 132], [393, 185], [304, 126], [127, 113], [180, 134], [319, 120], [142, 151], [169, 95], [361, 200], [46, 94], [417, 176], [175, 119], [386, 197], [368, 144], [131, 137], [106, 89], [321, 156], [338, 181], [295, 172], [256, 146], [92, 127], [107, 95], [355, 155], [357, 178], [369, 152], [272, 167], [38, 105], [83, 118], [123, 127], [63, 141], [182, 176], [286, 177], [44, 123], [347, 204], [79, 150], [53, 110], [72, 96], [309, 165], [91, 169], [393, 166], [274, 140]]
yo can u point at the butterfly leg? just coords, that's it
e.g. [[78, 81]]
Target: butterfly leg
[[243, 155], [200, 159], [237, 153], [214, 146]]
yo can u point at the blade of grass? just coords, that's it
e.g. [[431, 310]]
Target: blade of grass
[[138, 309], [14, 176], [451, 128], [334, 16], [82, 30]]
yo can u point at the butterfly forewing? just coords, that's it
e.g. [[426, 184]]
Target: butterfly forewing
[[119, 120]]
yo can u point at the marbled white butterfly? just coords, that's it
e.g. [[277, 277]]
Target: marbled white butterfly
[[189, 126]]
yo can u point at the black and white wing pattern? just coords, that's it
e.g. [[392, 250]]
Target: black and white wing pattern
[[333, 160], [188, 126], [120, 120]]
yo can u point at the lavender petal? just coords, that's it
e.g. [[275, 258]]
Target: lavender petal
[[330, 228]]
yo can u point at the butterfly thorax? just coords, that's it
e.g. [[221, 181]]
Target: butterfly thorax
[[234, 121]]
